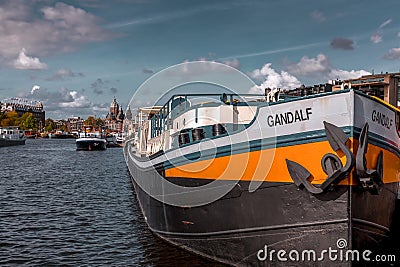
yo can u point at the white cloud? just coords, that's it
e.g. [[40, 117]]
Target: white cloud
[[77, 101], [272, 79], [35, 88], [234, 63], [62, 74], [344, 74], [61, 103], [44, 30], [318, 16], [101, 108], [24, 62], [275, 51], [202, 66], [168, 16], [310, 66], [393, 54], [76, 21], [376, 38], [208, 63], [306, 67], [385, 23], [320, 67]]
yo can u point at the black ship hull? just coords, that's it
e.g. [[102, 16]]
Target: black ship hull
[[326, 199], [11, 142], [90, 145], [241, 227]]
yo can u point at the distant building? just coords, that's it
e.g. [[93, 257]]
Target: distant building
[[74, 124], [128, 123], [115, 118], [128, 113], [22, 106], [309, 90], [61, 125], [384, 85]]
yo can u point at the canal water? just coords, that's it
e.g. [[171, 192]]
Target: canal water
[[59, 206]]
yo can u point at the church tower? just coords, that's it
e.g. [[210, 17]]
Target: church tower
[[114, 108], [120, 116], [115, 118], [128, 114]]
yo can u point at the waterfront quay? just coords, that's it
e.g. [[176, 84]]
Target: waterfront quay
[[29, 116]]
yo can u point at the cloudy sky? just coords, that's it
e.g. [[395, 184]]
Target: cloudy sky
[[75, 56]]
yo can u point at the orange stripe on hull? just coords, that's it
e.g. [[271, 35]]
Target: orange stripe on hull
[[270, 165]]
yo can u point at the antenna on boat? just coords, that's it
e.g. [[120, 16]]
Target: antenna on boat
[[224, 98]]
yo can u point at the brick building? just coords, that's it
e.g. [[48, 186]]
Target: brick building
[[115, 118], [22, 106]]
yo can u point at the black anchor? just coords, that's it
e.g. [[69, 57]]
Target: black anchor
[[368, 179], [331, 163]]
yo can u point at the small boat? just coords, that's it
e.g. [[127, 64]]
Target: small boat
[[62, 135], [111, 141], [119, 138], [44, 135], [11, 136], [91, 141], [30, 134], [228, 178]]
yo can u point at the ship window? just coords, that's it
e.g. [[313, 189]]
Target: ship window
[[398, 121], [177, 125], [398, 94]]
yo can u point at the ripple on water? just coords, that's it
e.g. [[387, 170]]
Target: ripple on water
[[65, 207]]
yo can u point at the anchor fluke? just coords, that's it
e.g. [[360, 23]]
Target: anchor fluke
[[300, 176], [335, 135], [379, 165], [369, 179]]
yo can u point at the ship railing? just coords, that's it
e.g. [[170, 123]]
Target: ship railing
[[163, 119], [160, 118]]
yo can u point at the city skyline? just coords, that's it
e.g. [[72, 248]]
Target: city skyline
[[33, 102], [75, 56]]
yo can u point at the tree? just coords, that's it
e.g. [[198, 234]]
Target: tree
[[10, 119], [99, 122], [49, 125], [90, 121], [2, 116], [63, 128], [28, 122]]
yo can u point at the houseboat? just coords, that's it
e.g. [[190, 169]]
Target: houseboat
[[91, 141], [293, 170], [11, 136]]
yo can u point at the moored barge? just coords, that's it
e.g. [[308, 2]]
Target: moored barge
[[91, 141], [227, 179], [11, 136]]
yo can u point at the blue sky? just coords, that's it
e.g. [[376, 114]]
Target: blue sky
[[75, 56]]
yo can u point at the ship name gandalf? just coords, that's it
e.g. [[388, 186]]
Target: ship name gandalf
[[299, 169]]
